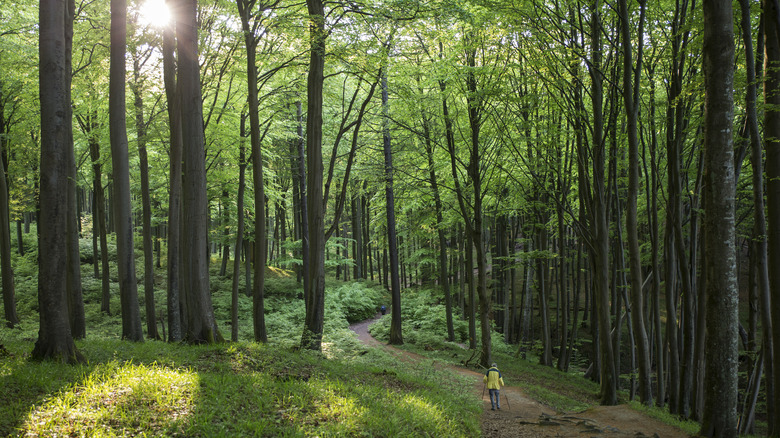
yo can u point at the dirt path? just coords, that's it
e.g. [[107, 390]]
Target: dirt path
[[521, 416]]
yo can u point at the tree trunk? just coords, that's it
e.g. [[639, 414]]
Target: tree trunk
[[315, 291], [635, 263], [128, 289], [55, 341], [443, 278], [140, 127], [175, 317], [258, 299], [75, 298], [201, 326], [90, 127], [396, 335], [772, 147], [544, 308], [760, 256], [6, 269], [239, 233], [721, 356], [599, 224]]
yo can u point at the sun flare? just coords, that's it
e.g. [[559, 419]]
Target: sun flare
[[155, 13]]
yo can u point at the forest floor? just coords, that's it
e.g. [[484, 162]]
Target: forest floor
[[520, 416]]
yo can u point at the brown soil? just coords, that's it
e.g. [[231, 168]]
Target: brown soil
[[520, 416]]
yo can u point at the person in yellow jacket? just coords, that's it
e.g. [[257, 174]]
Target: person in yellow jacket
[[494, 382]]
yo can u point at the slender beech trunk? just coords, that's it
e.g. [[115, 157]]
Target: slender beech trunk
[[239, 232], [75, 298], [6, 269], [175, 309], [760, 255], [631, 83], [720, 409], [396, 335], [599, 221], [443, 278], [772, 146], [140, 127], [261, 241]]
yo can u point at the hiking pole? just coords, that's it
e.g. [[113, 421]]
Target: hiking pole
[[483, 390], [507, 401]]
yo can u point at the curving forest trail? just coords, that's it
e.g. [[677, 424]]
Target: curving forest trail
[[520, 416]]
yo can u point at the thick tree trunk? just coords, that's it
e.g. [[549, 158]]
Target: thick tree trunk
[[315, 290], [720, 411], [55, 340], [201, 326], [128, 288]]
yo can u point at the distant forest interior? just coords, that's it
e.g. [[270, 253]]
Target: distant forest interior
[[593, 185]]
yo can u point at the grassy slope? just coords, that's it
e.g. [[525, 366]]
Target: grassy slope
[[233, 389]]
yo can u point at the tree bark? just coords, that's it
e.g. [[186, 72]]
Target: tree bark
[[140, 127], [55, 341], [772, 146], [174, 304], [75, 296], [239, 232], [721, 356], [261, 241], [443, 277], [635, 263], [760, 258], [201, 326], [396, 335], [90, 126], [6, 269], [315, 291], [599, 222], [128, 289]]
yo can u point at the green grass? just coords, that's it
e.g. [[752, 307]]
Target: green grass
[[160, 389], [230, 389]]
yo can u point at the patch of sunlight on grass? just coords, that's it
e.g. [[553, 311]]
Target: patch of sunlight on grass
[[279, 272], [423, 411], [117, 400]]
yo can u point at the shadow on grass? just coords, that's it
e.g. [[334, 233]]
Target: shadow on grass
[[227, 390]]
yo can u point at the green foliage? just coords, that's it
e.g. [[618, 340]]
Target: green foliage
[[357, 301]]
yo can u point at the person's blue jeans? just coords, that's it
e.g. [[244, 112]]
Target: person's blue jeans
[[495, 402]]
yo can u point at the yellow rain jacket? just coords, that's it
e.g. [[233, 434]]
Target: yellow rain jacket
[[493, 378]]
